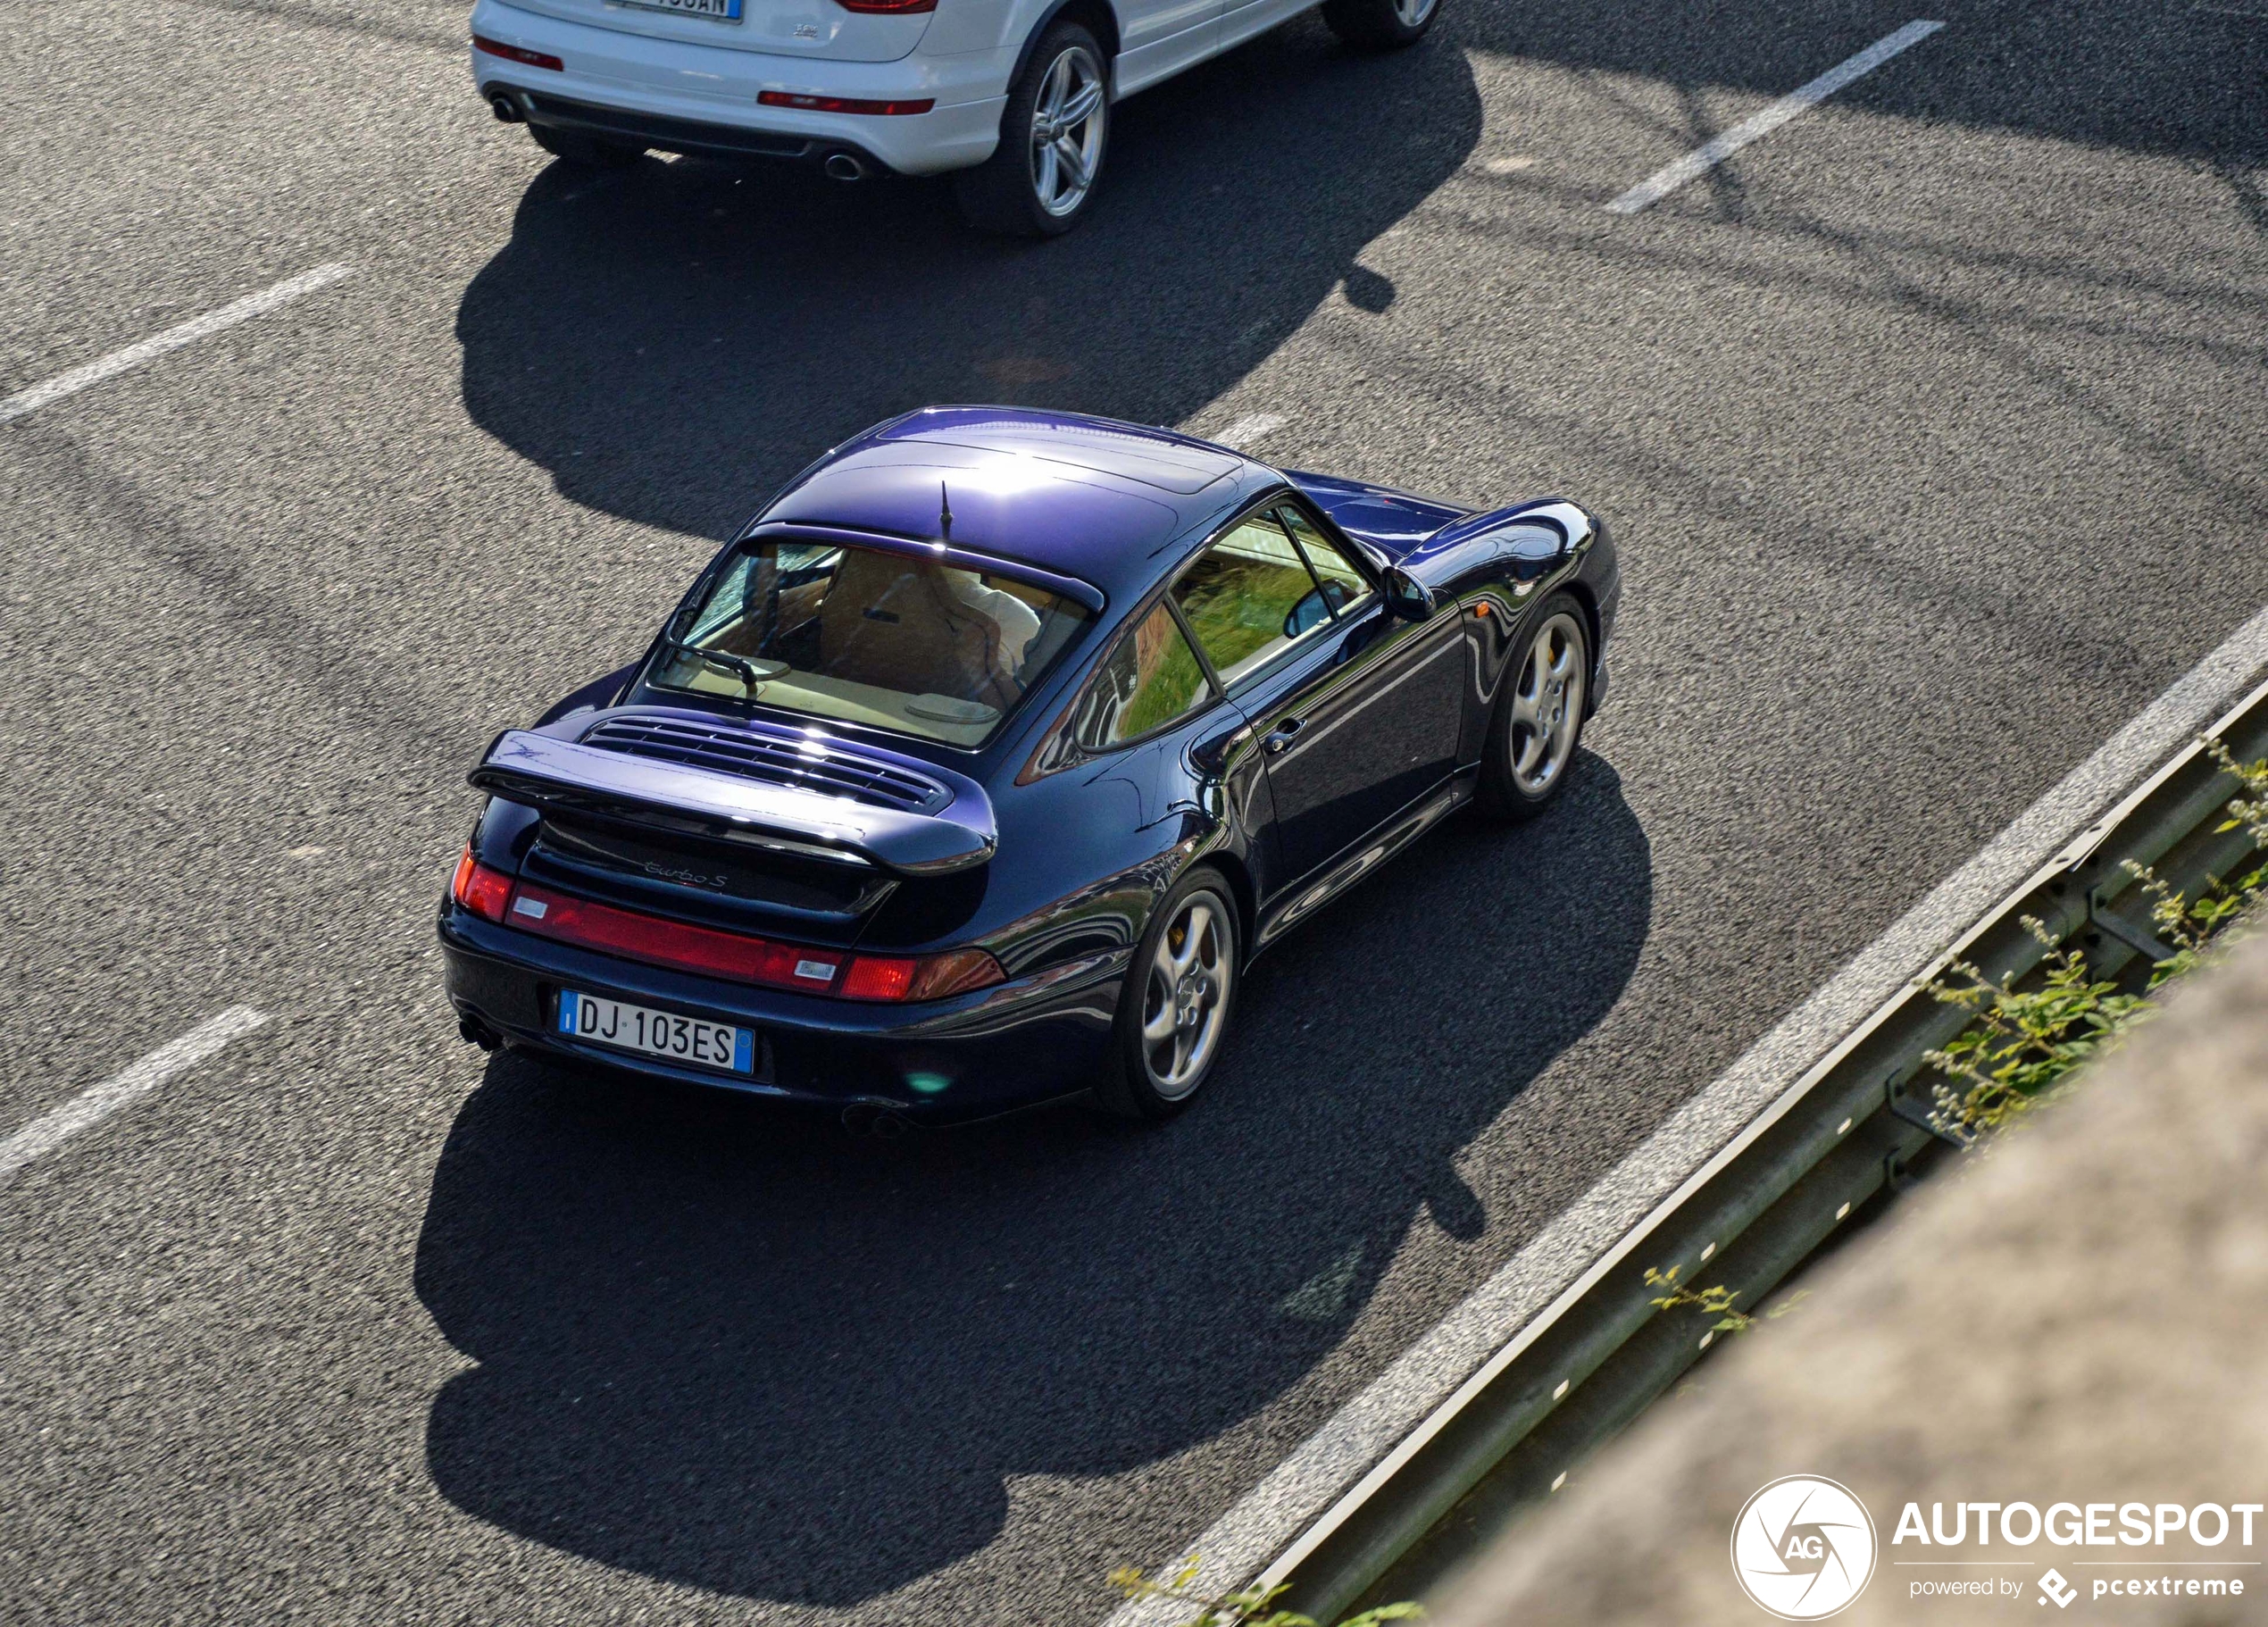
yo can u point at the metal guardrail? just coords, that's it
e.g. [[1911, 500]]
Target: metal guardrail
[[1853, 1129]]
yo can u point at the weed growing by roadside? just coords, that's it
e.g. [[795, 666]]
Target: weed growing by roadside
[[1715, 1301], [1252, 1607], [2024, 1045]]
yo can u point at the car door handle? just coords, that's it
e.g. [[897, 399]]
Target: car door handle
[[1278, 739]]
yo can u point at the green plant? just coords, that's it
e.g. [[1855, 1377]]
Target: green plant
[[1253, 1608], [1715, 1301], [2022, 1046]]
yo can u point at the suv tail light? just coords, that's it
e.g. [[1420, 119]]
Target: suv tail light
[[843, 104], [890, 8], [532, 59]]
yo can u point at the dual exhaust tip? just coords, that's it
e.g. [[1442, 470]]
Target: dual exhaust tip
[[838, 166]]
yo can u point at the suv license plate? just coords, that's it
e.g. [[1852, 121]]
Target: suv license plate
[[596, 1020], [715, 11]]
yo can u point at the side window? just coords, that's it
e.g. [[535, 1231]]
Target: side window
[[1344, 586], [1151, 679], [1249, 597]]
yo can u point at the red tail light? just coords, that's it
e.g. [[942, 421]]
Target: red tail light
[[850, 104], [732, 955], [891, 8], [481, 889], [513, 54], [932, 977]]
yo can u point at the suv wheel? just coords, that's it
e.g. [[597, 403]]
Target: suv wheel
[[1053, 133]]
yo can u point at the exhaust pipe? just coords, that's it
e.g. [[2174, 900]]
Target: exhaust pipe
[[506, 110], [873, 1119], [476, 1032], [842, 166]]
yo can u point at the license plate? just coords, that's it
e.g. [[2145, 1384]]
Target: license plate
[[716, 11], [596, 1020]]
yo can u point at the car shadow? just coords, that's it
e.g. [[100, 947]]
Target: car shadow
[[721, 1344], [673, 340]]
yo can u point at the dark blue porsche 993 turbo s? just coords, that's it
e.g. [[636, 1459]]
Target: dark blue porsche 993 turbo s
[[978, 768]]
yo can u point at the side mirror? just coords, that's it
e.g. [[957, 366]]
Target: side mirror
[[1406, 596]]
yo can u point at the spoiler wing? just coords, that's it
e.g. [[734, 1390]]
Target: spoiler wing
[[543, 771]]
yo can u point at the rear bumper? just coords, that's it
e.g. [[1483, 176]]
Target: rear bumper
[[1006, 1047], [682, 97]]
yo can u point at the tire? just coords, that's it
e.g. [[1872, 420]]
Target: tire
[[1537, 726], [588, 152], [1027, 188], [1147, 1078], [1379, 25]]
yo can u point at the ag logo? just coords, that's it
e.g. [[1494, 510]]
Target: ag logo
[[1803, 1547]]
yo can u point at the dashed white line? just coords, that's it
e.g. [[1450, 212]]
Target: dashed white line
[[1248, 429], [1703, 159], [1387, 1420], [186, 333], [91, 1107]]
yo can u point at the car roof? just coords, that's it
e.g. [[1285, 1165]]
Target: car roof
[[1108, 503]]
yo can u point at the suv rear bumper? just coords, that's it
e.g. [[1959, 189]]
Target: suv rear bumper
[[692, 99]]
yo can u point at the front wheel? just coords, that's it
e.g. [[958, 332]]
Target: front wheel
[[1052, 132], [1173, 1011], [1538, 722], [1379, 25]]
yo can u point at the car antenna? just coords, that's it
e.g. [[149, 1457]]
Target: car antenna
[[945, 514]]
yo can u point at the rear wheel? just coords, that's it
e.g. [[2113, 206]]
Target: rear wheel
[[589, 151], [1538, 722], [1379, 25], [1173, 1011], [1052, 132]]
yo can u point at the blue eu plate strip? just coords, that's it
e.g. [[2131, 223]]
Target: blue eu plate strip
[[744, 1051], [568, 999]]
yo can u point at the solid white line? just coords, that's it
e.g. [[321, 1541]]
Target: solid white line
[[1703, 159], [1384, 1424], [1248, 429], [187, 333], [92, 1105]]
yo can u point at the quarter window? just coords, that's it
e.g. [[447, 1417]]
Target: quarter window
[[1249, 596], [1151, 679], [1343, 585]]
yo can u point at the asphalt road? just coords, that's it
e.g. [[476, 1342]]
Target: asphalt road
[[1931, 427]]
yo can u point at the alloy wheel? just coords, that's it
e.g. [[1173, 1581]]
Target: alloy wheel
[[1412, 13], [1067, 120], [1185, 1001], [1547, 705]]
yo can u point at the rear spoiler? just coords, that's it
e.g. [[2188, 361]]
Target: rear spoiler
[[546, 772]]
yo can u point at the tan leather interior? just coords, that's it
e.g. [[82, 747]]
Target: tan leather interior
[[895, 622]]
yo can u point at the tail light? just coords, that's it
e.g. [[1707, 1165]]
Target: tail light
[[531, 59], [929, 977], [847, 104], [478, 888], [741, 959], [889, 8]]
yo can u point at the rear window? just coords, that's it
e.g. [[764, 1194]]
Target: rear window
[[862, 635]]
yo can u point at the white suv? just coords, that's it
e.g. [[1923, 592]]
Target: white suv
[[1014, 94]]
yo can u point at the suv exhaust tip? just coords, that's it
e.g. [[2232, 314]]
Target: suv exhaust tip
[[506, 110], [843, 166]]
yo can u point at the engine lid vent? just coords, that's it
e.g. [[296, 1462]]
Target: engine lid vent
[[781, 758]]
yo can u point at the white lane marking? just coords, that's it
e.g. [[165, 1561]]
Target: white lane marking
[[1248, 429], [1703, 159], [1385, 1422], [92, 1105], [187, 333]]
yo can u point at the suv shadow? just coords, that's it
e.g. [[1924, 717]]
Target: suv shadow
[[673, 340]]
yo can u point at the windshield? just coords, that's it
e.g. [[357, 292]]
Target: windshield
[[867, 637]]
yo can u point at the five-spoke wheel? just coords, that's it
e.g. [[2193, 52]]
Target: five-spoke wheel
[[1053, 133], [1538, 719], [1173, 1013]]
